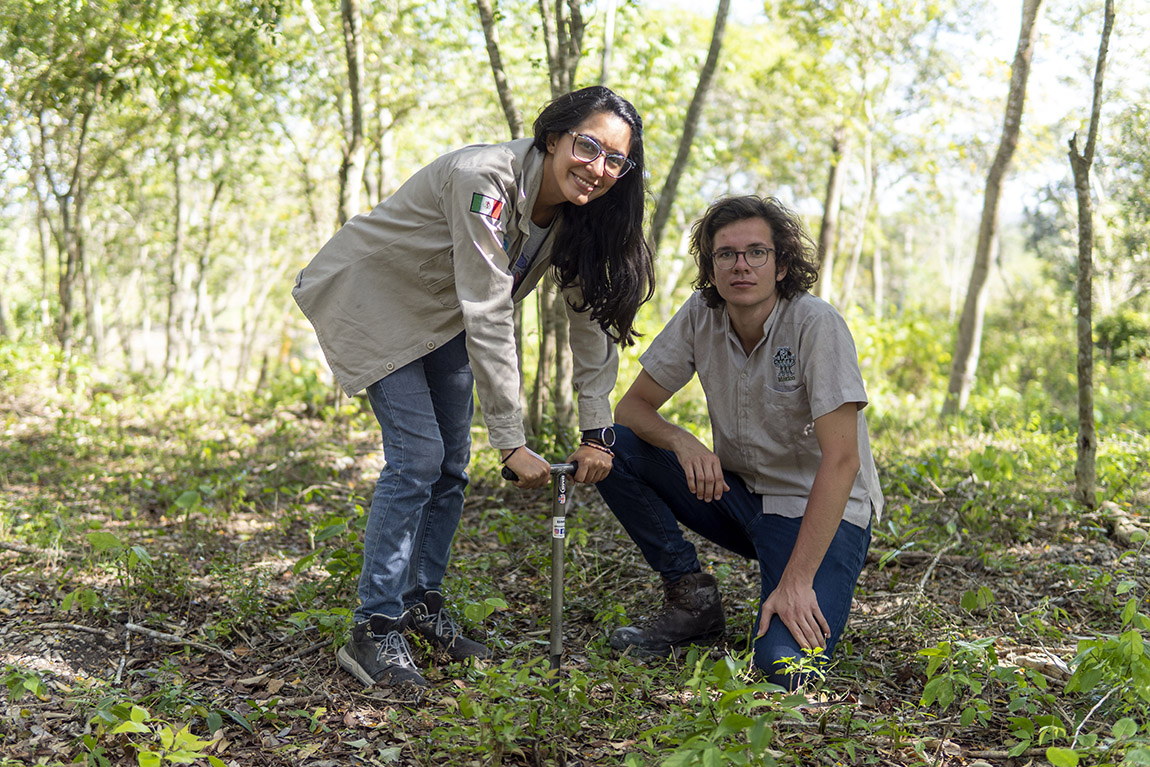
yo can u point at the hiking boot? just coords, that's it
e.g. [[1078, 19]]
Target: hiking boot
[[431, 619], [378, 655], [692, 614]]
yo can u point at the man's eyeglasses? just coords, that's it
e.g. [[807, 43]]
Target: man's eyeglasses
[[755, 257], [587, 149]]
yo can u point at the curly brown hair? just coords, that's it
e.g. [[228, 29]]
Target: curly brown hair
[[795, 251]]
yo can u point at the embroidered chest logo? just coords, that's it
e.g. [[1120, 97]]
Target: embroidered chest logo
[[486, 206], [784, 360]]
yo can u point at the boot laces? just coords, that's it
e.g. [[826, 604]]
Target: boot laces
[[444, 625], [393, 651]]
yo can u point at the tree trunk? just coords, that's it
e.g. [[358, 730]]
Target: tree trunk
[[969, 339], [608, 42], [565, 417], [543, 378], [44, 234], [879, 295], [690, 126], [866, 208], [174, 353], [351, 169], [1084, 467], [202, 319], [69, 236], [502, 87], [828, 230], [93, 310], [5, 322]]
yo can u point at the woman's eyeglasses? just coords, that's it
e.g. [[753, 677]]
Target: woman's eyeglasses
[[587, 149]]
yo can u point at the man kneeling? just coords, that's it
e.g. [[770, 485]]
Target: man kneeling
[[791, 482]]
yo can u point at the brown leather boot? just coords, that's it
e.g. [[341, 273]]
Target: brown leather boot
[[692, 614]]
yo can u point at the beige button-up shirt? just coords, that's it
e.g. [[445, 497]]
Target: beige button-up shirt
[[763, 406], [433, 260]]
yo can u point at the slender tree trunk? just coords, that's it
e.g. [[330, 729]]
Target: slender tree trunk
[[543, 378], [866, 209], [69, 239], [1084, 467], [969, 339], [93, 309], [351, 169], [502, 87], [515, 125], [5, 320], [690, 126], [173, 354], [828, 230], [564, 367], [44, 235], [879, 295], [609, 14], [202, 320]]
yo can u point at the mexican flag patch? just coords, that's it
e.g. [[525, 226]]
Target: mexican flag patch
[[486, 206]]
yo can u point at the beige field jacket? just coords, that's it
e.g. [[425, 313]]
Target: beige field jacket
[[433, 260]]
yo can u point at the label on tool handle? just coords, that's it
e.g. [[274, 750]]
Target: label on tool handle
[[558, 527]]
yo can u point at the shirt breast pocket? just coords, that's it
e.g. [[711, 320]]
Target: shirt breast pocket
[[789, 418]]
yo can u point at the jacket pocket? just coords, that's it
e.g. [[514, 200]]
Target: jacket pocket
[[438, 277]]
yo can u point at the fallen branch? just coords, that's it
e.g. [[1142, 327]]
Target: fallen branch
[[296, 656], [35, 552], [76, 627], [160, 636], [915, 557], [1122, 525], [1005, 754]]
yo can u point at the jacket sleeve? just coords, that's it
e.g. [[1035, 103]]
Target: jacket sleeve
[[479, 206], [595, 364]]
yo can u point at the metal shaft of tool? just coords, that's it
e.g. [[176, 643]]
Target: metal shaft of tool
[[561, 474]]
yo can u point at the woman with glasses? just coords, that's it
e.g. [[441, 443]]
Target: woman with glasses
[[789, 480], [414, 302]]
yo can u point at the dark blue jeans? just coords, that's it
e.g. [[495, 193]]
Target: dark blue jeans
[[647, 491], [424, 412]]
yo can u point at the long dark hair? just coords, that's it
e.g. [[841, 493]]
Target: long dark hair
[[601, 247], [794, 249]]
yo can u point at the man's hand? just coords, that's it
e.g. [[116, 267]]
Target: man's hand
[[701, 467], [798, 607], [594, 464], [531, 469]]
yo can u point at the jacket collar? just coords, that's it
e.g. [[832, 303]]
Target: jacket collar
[[530, 179]]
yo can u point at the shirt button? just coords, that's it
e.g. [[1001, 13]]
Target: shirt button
[[391, 366], [431, 344]]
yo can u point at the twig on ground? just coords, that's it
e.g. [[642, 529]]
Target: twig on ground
[[1005, 754], [1085, 719], [921, 589], [124, 658], [36, 552], [296, 656], [160, 636], [76, 627]]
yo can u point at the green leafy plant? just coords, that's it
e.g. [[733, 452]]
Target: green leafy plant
[[155, 741], [732, 719], [21, 681]]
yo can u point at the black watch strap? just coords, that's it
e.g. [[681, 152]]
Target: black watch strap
[[604, 436]]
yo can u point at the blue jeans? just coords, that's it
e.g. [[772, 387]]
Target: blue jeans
[[424, 411], [647, 491]]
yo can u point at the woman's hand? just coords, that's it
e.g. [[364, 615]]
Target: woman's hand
[[531, 469], [594, 464]]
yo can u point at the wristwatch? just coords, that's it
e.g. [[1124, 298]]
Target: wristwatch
[[604, 436]]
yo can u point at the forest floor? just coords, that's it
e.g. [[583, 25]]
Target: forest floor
[[194, 572]]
